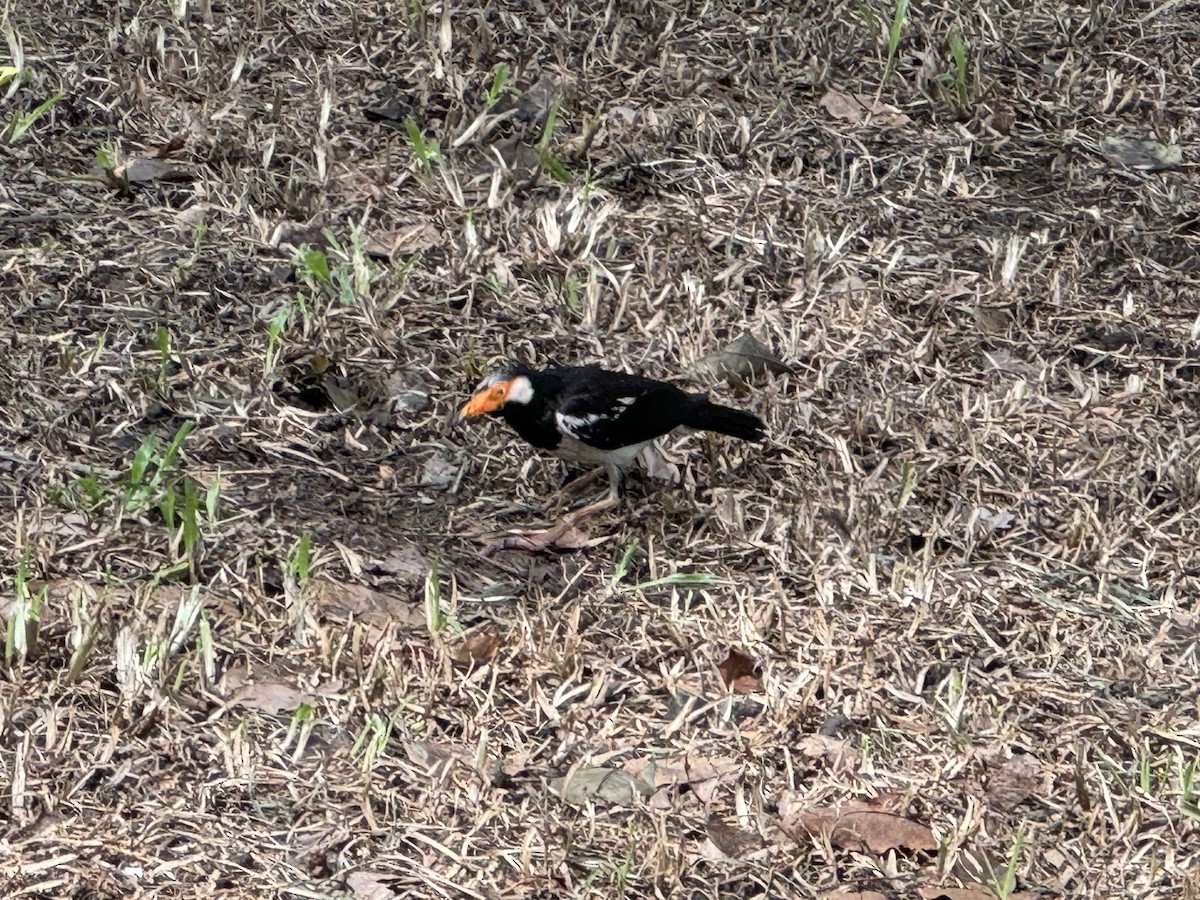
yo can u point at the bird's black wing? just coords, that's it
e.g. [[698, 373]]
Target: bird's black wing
[[608, 410]]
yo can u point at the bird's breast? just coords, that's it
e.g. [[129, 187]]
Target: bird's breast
[[578, 452], [538, 430]]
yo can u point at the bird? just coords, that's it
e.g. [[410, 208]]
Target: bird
[[596, 417]]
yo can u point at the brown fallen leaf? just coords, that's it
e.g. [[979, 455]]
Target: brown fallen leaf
[[271, 697], [731, 840], [858, 826], [405, 561], [1018, 777], [339, 601], [561, 537], [970, 892], [859, 108], [174, 145], [818, 746], [369, 885], [740, 673], [565, 535], [413, 238], [144, 169], [478, 648], [849, 893], [702, 775], [609, 785], [745, 357], [437, 757]]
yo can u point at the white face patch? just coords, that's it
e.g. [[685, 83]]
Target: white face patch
[[520, 390]]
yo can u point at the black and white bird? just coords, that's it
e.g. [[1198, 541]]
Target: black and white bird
[[594, 417]]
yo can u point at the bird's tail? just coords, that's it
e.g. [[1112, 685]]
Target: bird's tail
[[708, 416]]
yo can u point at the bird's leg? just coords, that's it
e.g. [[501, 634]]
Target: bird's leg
[[614, 482], [608, 501]]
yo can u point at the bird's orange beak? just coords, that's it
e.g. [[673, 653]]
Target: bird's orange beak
[[486, 401]]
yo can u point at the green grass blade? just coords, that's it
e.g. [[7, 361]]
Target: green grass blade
[[894, 34]]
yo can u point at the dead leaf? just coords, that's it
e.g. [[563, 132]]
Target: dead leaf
[[405, 561], [858, 826], [702, 775], [745, 357], [191, 217], [406, 241], [859, 108], [657, 466], [438, 472], [1016, 779], [271, 697], [517, 157], [436, 757], [848, 893], [970, 892], [174, 145], [339, 601], [533, 105], [143, 169], [612, 786], [369, 886], [563, 536], [478, 648], [1005, 361], [987, 520], [731, 840], [818, 746], [740, 673], [1141, 153]]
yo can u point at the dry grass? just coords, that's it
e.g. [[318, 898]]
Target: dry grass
[[961, 582]]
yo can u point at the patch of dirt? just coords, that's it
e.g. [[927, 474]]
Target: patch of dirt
[[252, 261]]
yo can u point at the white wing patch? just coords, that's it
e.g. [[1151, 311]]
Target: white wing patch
[[627, 401], [576, 426]]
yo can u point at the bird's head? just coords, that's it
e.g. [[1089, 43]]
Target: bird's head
[[497, 391]]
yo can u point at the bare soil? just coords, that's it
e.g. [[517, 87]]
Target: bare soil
[[937, 638]]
